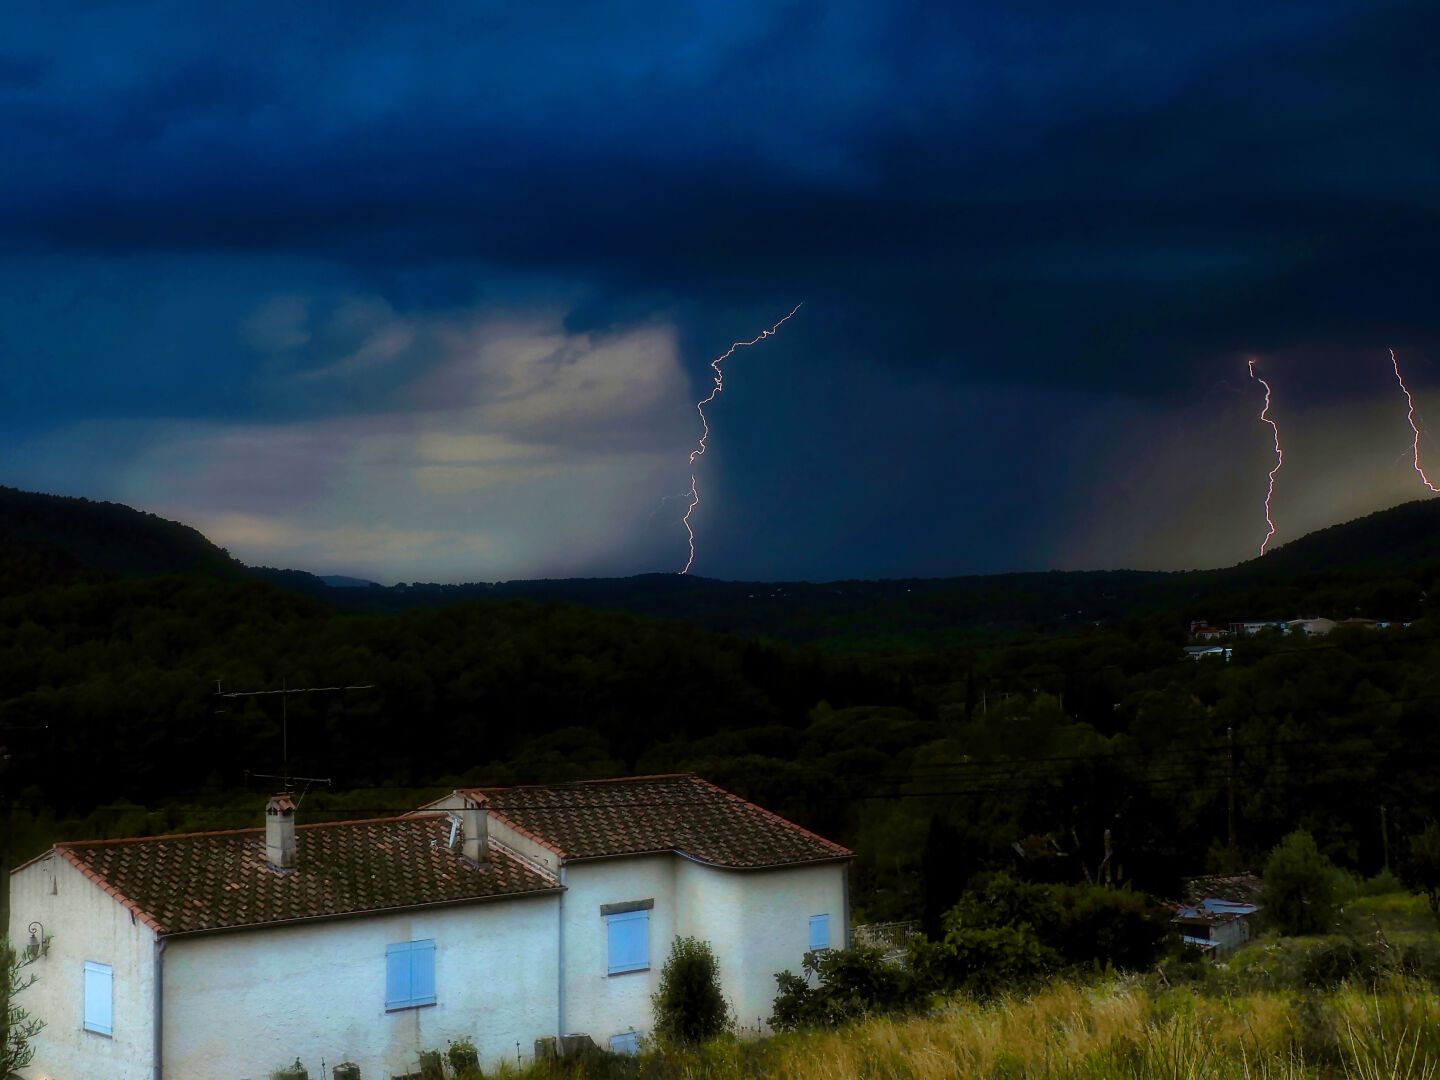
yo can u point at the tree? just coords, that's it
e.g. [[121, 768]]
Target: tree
[[1299, 895], [17, 1027], [1420, 870], [689, 1006]]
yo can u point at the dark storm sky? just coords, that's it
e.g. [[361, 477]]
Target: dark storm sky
[[427, 292]]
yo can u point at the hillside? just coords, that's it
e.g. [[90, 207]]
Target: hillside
[[1363, 566], [48, 539], [965, 716]]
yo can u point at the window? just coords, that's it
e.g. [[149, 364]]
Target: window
[[99, 998], [628, 1043], [410, 974], [629, 940], [819, 932]]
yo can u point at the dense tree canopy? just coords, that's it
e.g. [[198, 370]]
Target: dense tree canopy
[[1064, 750]]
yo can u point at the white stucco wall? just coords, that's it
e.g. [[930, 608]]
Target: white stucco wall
[[596, 1003], [758, 922], [83, 923], [242, 1003]]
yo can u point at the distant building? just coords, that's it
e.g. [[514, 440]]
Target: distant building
[[1312, 627], [1254, 626], [1200, 652], [505, 915], [1218, 913], [1203, 631]]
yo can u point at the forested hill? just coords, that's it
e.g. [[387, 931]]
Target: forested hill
[[48, 539], [968, 724], [1401, 539], [1370, 566], [1373, 566]]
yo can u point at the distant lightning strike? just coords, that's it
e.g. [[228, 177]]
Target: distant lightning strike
[[1279, 457], [705, 423], [1415, 428]]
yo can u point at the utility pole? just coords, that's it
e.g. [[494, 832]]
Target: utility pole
[[1385, 837], [7, 840]]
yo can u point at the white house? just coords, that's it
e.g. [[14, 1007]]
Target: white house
[[508, 916]]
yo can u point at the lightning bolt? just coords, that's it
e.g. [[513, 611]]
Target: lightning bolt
[[1411, 417], [705, 423], [1279, 457]]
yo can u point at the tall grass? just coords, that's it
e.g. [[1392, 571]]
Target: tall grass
[[1115, 1030]]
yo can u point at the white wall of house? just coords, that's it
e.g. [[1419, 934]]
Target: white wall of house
[[759, 924], [757, 921], [84, 923], [597, 1003], [242, 1003]]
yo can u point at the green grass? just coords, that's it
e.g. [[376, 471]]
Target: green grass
[[1393, 912]]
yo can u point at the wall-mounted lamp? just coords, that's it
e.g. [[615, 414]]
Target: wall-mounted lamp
[[37, 946]]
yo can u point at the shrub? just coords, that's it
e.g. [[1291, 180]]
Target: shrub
[[1299, 894], [848, 984], [1421, 866], [689, 1006], [463, 1055], [983, 961], [18, 1028], [1101, 926], [1010, 932], [432, 1066]]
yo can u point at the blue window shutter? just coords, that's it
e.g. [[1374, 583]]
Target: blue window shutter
[[629, 941], [410, 974], [422, 972], [99, 998], [819, 931], [397, 976]]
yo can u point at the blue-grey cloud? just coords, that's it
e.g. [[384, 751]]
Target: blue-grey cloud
[[272, 216]]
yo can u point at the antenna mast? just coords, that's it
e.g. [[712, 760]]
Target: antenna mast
[[285, 691]]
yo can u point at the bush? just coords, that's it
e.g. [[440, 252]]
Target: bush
[[689, 1007], [1009, 933], [848, 985], [1421, 866], [1300, 883], [463, 1055], [983, 961], [432, 1065], [1115, 927]]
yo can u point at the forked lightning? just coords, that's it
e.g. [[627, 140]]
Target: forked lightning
[[705, 424]]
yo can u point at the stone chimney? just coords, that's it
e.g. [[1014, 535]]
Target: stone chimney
[[280, 832], [475, 829]]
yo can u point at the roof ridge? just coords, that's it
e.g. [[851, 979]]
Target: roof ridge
[[116, 841], [579, 783]]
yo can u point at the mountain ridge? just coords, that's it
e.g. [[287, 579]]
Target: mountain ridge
[[48, 539]]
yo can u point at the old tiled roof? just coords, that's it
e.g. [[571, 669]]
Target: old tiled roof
[[655, 813], [216, 881], [1244, 887]]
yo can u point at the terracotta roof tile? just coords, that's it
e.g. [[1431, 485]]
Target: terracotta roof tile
[[215, 881], [656, 813]]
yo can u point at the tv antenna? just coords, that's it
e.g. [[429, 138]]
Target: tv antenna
[[284, 776]]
